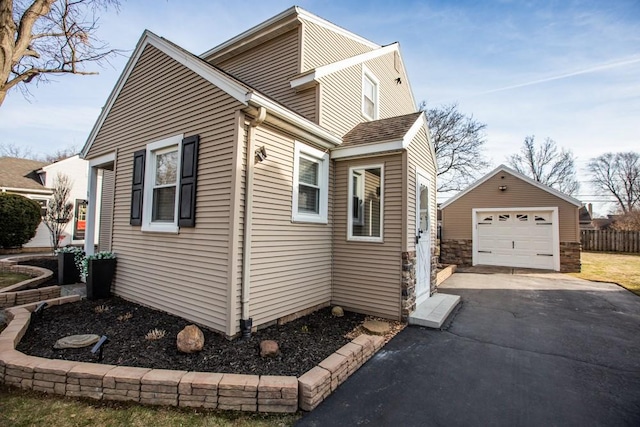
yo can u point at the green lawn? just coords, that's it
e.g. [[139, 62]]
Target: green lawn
[[8, 278], [23, 408], [623, 269]]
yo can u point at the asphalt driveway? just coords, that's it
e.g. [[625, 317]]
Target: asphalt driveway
[[521, 350]]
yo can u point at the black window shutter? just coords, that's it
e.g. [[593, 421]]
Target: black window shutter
[[188, 173], [137, 187]]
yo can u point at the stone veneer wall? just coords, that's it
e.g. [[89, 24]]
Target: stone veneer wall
[[570, 257], [408, 301], [176, 388], [458, 252]]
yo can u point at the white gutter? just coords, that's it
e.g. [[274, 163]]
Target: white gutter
[[287, 118]]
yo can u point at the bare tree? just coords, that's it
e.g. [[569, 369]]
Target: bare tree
[[60, 154], [618, 174], [13, 150], [43, 37], [59, 210], [26, 152], [547, 165], [628, 222], [458, 141]]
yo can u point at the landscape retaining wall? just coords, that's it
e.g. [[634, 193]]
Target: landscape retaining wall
[[10, 299], [38, 275], [262, 393]]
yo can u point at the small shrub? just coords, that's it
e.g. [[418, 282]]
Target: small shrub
[[155, 334], [124, 317], [101, 309], [20, 219]]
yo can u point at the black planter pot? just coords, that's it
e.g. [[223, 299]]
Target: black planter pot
[[67, 270], [100, 274]]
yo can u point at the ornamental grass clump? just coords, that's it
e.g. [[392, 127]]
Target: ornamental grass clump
[[155, 334]]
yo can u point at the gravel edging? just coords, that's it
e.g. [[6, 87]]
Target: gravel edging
[[262, 393]]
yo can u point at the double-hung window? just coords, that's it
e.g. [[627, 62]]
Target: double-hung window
[[161, 178], [369, 94], [310, 184], [163, 187]]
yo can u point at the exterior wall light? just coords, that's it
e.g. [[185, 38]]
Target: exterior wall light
[[502, 188]]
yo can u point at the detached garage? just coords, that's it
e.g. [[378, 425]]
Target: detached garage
[[508, 219]]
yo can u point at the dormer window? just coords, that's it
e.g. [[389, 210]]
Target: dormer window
[[369, 94]]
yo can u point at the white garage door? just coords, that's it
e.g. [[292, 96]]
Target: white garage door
[[515, 239]]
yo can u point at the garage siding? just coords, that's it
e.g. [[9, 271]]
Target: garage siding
[[457, 219]]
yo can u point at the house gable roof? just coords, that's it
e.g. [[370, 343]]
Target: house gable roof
[[275, 26], [391, 134], [503, 168], [242, 92], [20, 174]]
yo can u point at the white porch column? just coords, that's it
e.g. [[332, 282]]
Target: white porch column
[[92, 197]]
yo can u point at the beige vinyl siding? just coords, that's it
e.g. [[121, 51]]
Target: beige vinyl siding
[[186, 274], [269, 67], [457, 219], [367, 275], [341, 105], [395, 99], [290, 262], [106, 211], [419, 154], [322, 46]]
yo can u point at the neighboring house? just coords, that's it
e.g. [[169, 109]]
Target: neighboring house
[[282, 171], [77, 170], [508, 219], [20, 176], [35, 180], [604, 223], [585, 215]]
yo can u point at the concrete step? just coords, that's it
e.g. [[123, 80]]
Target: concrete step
[[433, 312]]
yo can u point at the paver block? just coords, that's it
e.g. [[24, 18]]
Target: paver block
[[163, 377]]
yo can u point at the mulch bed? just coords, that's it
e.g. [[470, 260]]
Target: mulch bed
[[303, 342], [50, 264]]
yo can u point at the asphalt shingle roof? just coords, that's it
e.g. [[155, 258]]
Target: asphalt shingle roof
[[20, 173], [390, 129]]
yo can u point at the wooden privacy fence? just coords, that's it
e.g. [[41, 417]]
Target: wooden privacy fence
[[610, 241]]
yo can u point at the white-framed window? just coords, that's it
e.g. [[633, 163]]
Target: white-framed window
[[366, 203], [370, 94], [162, 171], [310, 184]]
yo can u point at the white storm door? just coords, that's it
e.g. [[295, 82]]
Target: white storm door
[[423, 239]]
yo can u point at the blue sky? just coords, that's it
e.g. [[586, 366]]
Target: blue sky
[[569, 70]]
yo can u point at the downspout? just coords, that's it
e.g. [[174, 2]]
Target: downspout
[[246, 322]]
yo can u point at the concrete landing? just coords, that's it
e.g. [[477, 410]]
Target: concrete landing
[[434, 311]]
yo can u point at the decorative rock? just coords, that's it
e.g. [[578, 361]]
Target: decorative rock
[[76, 341], [190, 339], [376, 327], [337, 311], [269, 348]]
